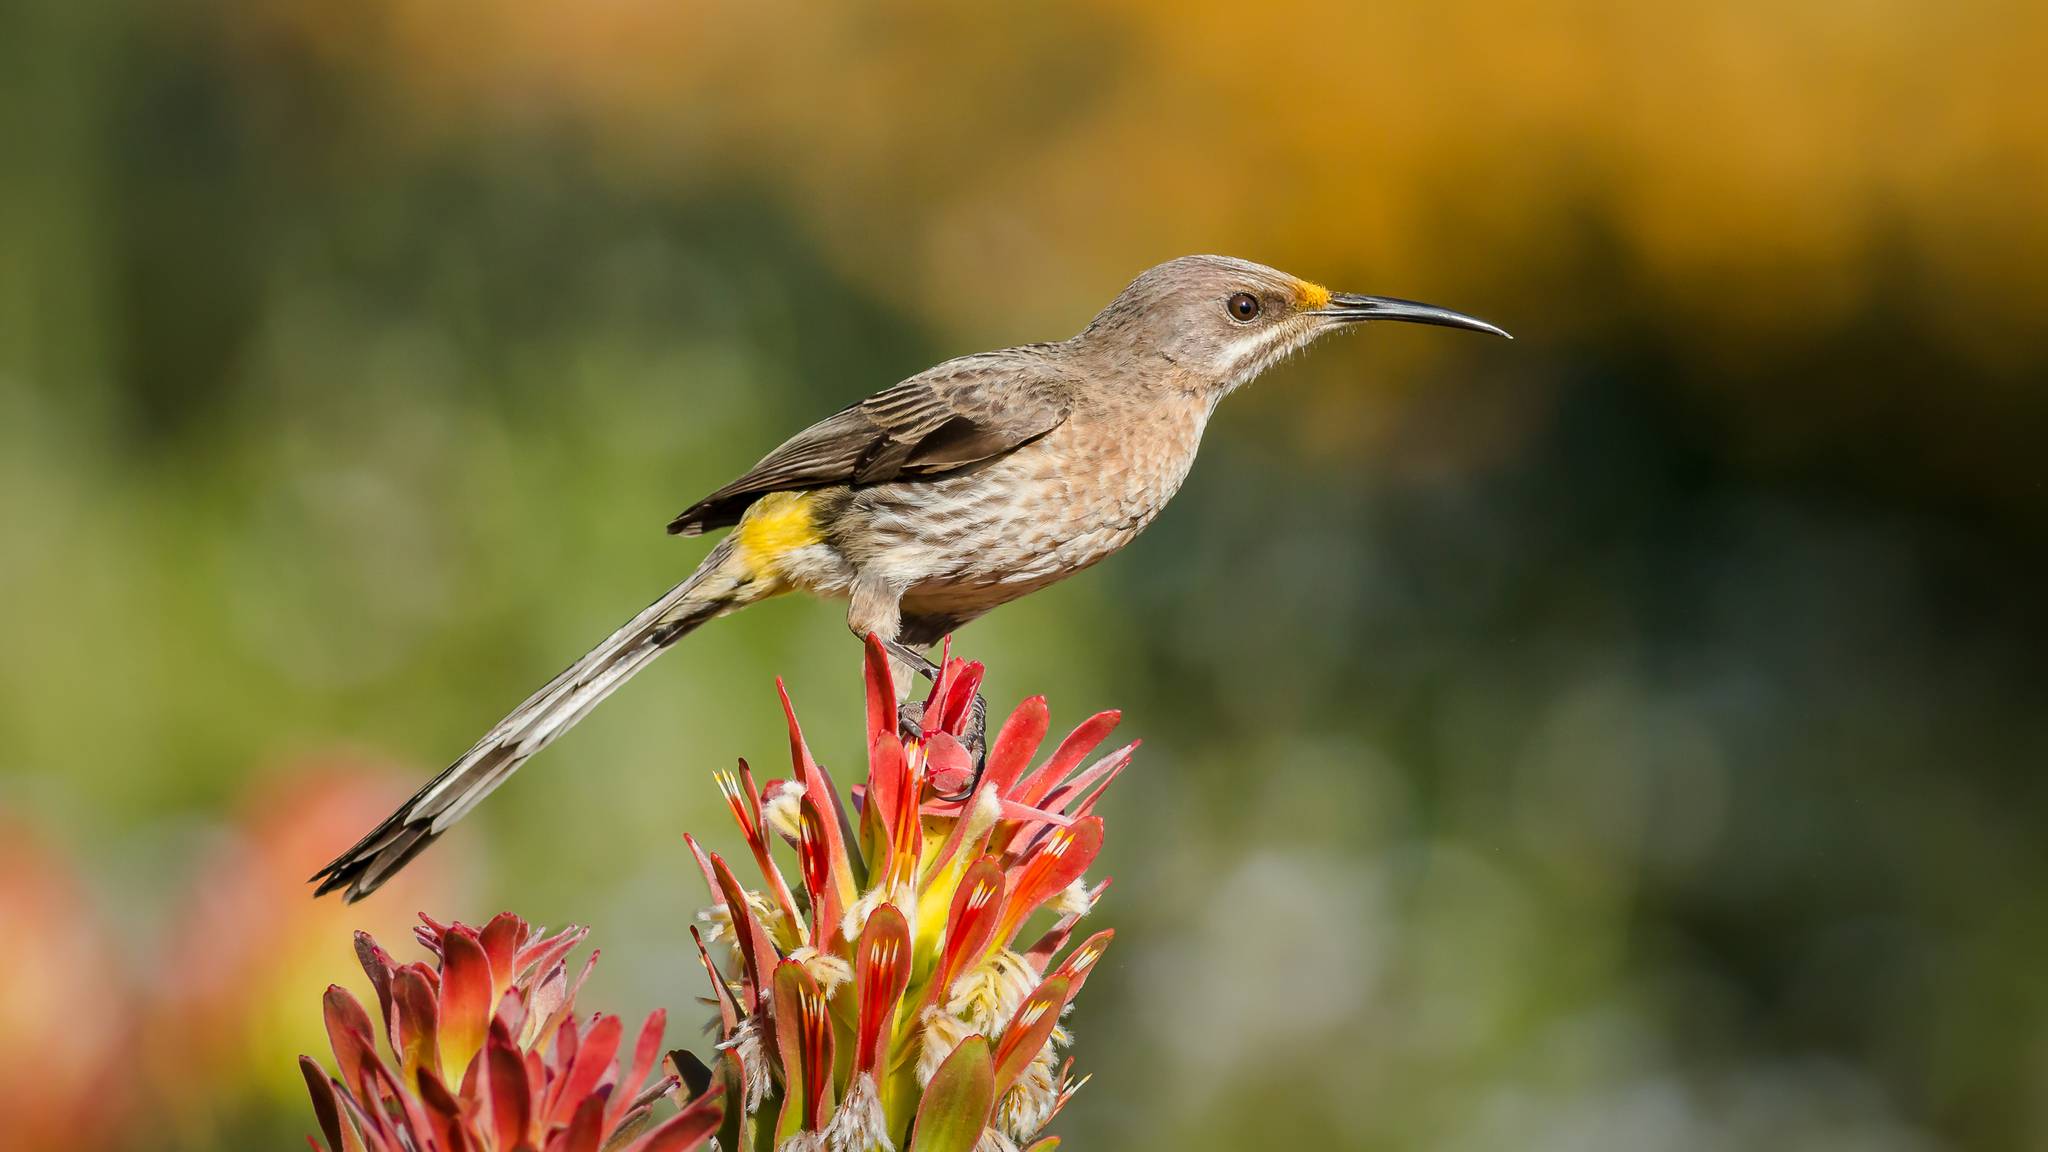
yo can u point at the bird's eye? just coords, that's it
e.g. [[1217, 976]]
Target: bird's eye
[[1243, 306]]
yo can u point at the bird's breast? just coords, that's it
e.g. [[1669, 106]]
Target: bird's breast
[[976, 538]]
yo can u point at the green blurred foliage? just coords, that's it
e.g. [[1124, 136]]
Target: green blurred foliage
[[1630, 737]]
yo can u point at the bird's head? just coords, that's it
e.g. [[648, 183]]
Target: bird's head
[[1221, 322]]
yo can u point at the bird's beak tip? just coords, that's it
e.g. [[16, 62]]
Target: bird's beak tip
[[1346, 306]]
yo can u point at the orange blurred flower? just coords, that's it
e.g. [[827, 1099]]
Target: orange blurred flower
[[63, 1007]]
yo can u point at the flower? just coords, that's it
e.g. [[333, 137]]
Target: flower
[[903, 935], [488, 1056], [64, 1041]]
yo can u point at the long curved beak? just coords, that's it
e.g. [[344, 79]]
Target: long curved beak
[[1346, 307]]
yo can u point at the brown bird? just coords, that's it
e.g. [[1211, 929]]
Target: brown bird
[[964, 487]]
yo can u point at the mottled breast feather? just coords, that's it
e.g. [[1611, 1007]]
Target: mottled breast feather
[[960, 413]]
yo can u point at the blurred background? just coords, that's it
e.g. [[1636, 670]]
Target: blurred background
[[1630, 737]]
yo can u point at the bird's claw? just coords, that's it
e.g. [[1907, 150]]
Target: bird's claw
[[910, 721]]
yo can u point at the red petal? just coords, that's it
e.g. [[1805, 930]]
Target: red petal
[[799, 750], [970, 925], [728, 1011], [881, 973], [377, 965], [1081, 961], [814, 852], [956, 1103], [326, 1109], [877, 800], [1017, 743], [418, 1030], [1071, 751], [586, 1128], [803, 1035], [510, 1095], [961, 688], [348, 1033], [745, 801], [593, 1060], [501, 939], [465, 1000], [881, 686], [1052, 864], [541, 955], [444, 1112], [646, 1051], [686, 1130], [757, 951], [947, 766], [407, 1117], [1098, 775], [1027, 1031]]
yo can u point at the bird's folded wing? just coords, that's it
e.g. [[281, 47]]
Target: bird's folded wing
[[958, 414]]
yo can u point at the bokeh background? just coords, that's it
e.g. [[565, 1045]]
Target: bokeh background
[[1631, 737]]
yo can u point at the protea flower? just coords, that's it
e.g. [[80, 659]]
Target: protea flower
[[890, 999], [488, 1055]]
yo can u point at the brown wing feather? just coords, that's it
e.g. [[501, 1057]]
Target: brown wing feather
[[955, 415]]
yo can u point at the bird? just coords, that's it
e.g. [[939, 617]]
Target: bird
[[958, 490]]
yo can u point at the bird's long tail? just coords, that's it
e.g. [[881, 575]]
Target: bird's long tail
[[719, 585]]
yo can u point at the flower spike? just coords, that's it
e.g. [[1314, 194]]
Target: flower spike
[[525, 1085], [887, 1002]]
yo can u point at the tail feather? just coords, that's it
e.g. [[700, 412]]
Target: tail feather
[[713, 590]]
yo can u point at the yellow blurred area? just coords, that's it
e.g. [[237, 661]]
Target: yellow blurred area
[[1751, 155]]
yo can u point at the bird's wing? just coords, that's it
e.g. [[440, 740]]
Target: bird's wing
[[958, 414]]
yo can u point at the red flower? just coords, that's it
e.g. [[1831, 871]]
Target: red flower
[[488, 1056], [905, 937]]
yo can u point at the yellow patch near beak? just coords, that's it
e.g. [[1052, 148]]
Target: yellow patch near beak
[[1313, 296]]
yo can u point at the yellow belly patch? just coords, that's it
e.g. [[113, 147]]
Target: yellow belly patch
[[778, 524]]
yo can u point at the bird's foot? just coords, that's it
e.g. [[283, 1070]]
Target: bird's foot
[[910, 716], [910, 721]]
